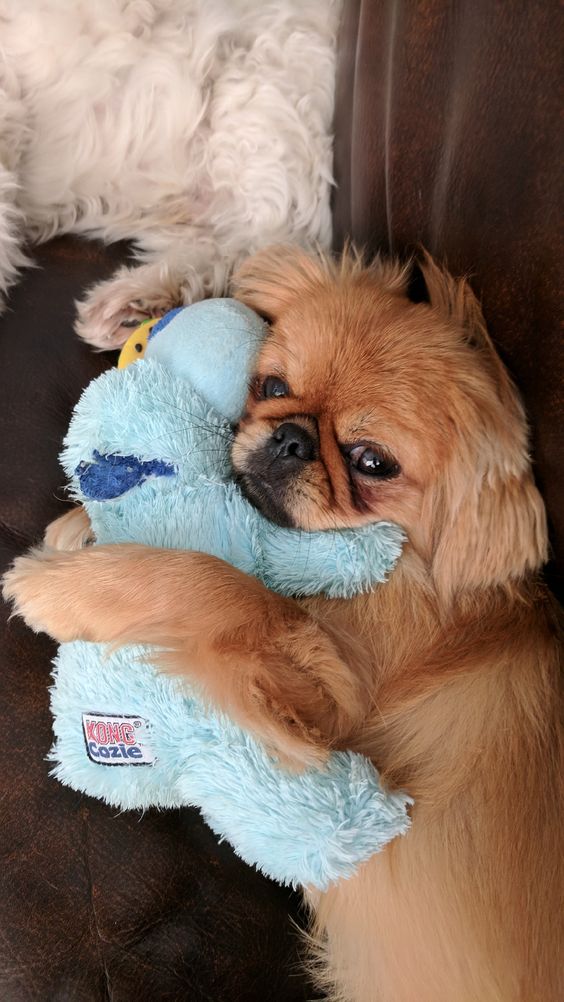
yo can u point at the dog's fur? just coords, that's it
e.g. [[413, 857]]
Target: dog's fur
[[198, 129], [448, 676]]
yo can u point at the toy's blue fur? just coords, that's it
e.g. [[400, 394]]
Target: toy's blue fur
[[311, 828], [166, 320], [106, 477]]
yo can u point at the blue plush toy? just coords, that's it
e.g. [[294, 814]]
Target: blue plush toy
[[147, 454]]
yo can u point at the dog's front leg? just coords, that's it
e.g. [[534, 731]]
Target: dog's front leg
[[193, 267], [259, 656]]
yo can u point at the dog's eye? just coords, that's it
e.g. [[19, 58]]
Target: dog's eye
[[274, 387], [372, 462]]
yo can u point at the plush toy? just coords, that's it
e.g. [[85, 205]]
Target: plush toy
[[147, 453]]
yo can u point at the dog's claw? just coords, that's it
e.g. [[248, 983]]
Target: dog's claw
[[131, 323]]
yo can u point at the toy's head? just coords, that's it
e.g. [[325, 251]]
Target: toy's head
[[149, 448], [212, 344]]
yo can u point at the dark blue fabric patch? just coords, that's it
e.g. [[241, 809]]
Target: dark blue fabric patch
[[110, 476], [164, 321]]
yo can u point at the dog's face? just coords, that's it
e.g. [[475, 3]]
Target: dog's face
[[346, 422], [366, 406], [333, 433]]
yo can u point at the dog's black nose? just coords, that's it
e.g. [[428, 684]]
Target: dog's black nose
[[292, 441]]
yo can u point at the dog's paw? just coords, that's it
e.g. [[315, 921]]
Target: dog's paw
[[72, 531], [109, 312], [36, 586]]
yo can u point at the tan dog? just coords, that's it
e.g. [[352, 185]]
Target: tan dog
[[367, 406]]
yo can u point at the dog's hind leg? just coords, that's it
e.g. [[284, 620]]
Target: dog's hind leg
[[13, 140], [12, 255]]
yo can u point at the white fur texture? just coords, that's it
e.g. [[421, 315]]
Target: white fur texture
[[198, 129]]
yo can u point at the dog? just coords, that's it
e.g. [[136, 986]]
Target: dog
[[199, 130], [368, 406]]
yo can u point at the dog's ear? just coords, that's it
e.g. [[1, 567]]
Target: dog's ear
[[453, 299], [490, 529], [488, 518], [275, 278]]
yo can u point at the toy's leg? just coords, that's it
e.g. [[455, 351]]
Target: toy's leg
[[188, 270], [259, 656], [70, 532]]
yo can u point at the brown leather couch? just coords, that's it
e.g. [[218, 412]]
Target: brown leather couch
[[445, 135]]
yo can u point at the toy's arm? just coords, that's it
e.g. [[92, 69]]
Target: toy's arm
[[338, 564], [257, 655]]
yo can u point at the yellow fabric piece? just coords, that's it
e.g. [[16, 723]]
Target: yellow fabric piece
[[136, 343]]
